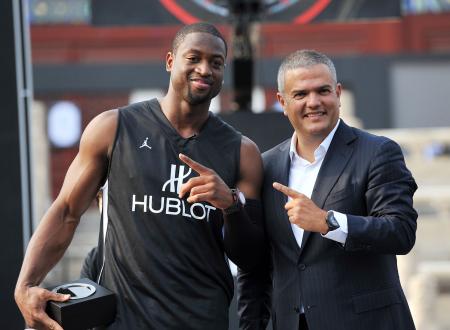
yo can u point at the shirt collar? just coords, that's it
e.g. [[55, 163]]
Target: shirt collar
[[321, 149]]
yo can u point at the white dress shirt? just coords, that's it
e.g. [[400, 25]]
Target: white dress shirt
[[302, 178]]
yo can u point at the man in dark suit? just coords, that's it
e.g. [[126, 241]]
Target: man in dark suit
[[338, 209]]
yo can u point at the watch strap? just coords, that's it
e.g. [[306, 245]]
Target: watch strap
[[237, 205]]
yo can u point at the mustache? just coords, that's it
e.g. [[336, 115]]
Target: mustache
[[208, 81]]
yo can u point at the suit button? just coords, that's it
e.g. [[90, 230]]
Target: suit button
[[302, 266]]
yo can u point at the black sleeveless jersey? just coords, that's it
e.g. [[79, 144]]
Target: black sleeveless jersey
[[164, 257]]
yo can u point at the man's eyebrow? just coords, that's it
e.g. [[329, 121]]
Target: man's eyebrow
[[295, 91], [304, 90], [323, 86], [198, 51]]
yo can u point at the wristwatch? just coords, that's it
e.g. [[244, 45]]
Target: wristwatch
[[238, 201], [331, 221]]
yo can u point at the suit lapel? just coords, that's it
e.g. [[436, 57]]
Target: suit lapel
[[336, 159], [282, 176]]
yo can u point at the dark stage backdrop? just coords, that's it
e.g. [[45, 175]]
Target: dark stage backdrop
[[265, 129], [137, 12]]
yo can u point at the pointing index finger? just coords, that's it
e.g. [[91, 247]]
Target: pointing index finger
[[197, 167], [286, 190]]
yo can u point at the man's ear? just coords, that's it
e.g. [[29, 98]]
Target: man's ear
[[282, 102], [169, 61], [338, 89], [338, 92]]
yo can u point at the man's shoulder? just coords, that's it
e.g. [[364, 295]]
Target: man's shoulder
[[364, 137], [98, 136], [370, 138], [139, 106], [371, 145]]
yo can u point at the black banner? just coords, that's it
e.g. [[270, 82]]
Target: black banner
[[150, 12]]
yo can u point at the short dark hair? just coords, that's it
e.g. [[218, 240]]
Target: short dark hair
[[304, 58], [201, 27]]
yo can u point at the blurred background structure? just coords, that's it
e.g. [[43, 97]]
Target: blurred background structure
[[392, 57]]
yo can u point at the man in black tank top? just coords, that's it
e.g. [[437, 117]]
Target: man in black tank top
[[174, 206]]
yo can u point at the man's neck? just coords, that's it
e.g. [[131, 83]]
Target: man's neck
[[306, 146], [185, 118]]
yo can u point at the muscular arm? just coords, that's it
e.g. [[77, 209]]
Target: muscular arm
[[243, 231], [243, 236], [57, 227], [254, 284], [251, 170]]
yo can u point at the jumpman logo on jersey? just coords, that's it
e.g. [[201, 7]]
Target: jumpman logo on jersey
[[145, 144]]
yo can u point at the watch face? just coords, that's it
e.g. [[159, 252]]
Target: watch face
[[331, 221]]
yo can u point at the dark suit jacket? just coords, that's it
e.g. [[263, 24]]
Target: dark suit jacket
[[355, 286]]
